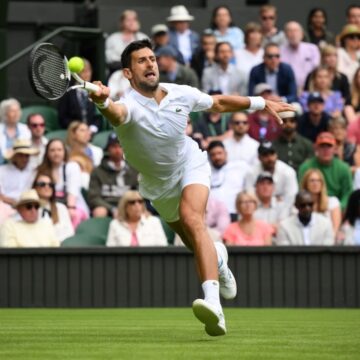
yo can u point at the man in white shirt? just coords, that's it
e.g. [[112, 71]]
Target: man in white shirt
[[241, 146], [174, 173], [307, 227]]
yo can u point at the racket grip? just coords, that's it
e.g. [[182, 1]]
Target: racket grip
[[91, 87]]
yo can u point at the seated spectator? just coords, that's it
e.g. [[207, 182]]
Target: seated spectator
[[118, 85], [110, 180], [269, 208], [351, 221], [290, 146], [133, 226], [262, 125], [317, 32], [16, 176], [182, 37], [284, 176], [36, 124], [223, 76], [336, 172], [195, 135], [268, 17], [10, 128], [116, 42], [52, 210], [315, 120], [353, 14], [29, 231], [329, 206], [217, 216], [224, 29], [252, 54], [75, 105], [205, 54], [67, 178], [348, 53], [352, 108], [227, 178], [173, 72], [320, 82], [241, 146], [303, 57], [306, 227], [275, 73], [247, 231]]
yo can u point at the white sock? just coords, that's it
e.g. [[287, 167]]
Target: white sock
[[211, 292]]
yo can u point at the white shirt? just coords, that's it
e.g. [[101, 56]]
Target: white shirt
[[184, 44], [23, 133], [153, 136], [228, 181], [36, 160], [273, 214], [346, 64], [245, 149], [246, 60]]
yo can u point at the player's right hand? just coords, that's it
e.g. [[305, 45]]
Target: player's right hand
[[101, 95]]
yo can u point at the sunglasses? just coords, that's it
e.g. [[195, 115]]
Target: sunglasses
[[307, 204], [31, 206], [37, 125], [289, 120], [268, 18], [132, 202], [240, 122], [353, 37], [271, 56], [43, 184]]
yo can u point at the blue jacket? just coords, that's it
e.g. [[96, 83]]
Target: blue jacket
[[194, 40], [286, 85]]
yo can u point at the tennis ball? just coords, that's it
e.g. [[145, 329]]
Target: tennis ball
[[76, 64]]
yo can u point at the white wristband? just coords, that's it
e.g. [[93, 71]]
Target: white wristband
[[103, 105], [256, 103]]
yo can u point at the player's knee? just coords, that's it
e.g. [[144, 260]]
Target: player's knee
[[192, 222], [100, 211]]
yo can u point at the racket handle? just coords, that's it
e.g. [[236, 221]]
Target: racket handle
[[91, 87]]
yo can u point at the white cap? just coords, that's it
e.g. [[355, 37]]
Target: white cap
[[179, 13], [159, 28]]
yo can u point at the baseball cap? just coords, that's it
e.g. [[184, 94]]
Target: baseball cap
[[111, 140], [325, 138], [264, 176], [266, 148], [159, 28], [315, 97], [166, 50], [262, 87]]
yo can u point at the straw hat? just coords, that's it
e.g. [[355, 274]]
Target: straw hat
[[21, 146], [349, 29], [179, 13], [28, 197]]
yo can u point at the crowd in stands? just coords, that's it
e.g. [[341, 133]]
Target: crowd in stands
[[292, 184]]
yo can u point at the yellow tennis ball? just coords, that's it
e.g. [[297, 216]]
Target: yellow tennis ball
[[76, 64]]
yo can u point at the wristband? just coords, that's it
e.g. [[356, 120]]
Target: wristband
[[256, 103], [103, 105]]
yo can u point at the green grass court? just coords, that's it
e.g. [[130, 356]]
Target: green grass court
[[176, 334]]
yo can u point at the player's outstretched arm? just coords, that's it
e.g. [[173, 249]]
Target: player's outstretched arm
[[228, 103], [115, 113]]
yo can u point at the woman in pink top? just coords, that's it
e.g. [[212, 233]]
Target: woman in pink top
[[247, 231]]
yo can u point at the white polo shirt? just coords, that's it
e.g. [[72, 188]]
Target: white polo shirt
[[153, 136]]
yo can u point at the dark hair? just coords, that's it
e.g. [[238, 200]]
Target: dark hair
[[214, 13], [214, 144], [350, 7], [134, 46], [221, 43], [352, 209], [31, 115], [312, 13], [301, 194], [271, 44]]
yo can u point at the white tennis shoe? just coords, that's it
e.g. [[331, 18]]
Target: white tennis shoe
[[228, 288], [212, 317]]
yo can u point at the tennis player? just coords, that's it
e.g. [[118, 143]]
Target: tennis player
[[150, 121]]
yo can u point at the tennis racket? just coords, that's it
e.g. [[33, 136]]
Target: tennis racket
[[49, 74]]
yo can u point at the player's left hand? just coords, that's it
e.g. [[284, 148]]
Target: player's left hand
[[274, 107]]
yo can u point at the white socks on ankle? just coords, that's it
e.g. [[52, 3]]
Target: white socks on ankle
[[211, 292]]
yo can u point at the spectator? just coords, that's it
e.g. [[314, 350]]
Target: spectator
[[133, 226], [303, 57], [115, 44], [195, 135], [269, 208], [10, 128], [224, 28], [247, 231], [349, 52], [110, 180], [253, 52], [205, 55], [241, 146], [36, 125], [16, 176], [351, 221], [118, 85], [284, 176], [317, 31], [29, 231], [320, 82], [227, 178], [217, 216], [329, 206], [278, 75], [271, 33], [182, 37], [67, 178], [172, 71], [52, 210], [315, 120], [223, 76], [353, 14], [306, 227], [352, 107], [336, 172], [290, 146], [6, 212], [76, 105]]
